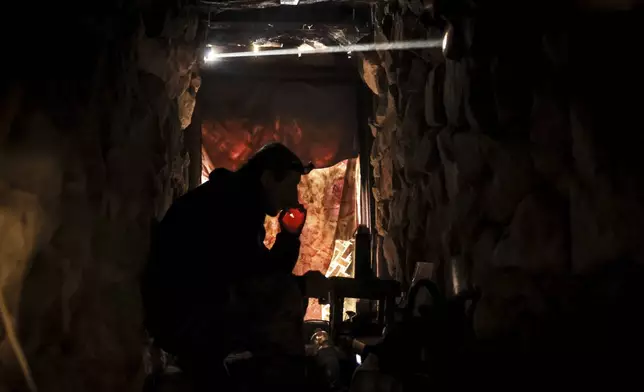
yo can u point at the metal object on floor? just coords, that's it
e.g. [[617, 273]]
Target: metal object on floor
[[327, 358], [321, 339]]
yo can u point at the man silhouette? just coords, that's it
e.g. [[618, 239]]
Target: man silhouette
[[209, 253]]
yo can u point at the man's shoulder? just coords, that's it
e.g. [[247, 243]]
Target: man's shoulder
[[190, 204], [211, 195], [194, 196]]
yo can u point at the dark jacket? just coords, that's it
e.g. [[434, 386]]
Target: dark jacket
[[210, 237]]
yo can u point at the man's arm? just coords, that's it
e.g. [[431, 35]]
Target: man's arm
[[285, 252], [286, 249], [281, 258]]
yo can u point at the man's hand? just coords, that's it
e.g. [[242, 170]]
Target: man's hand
[[315, 282], [293, 219]]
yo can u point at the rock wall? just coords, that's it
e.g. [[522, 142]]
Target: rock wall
[[516, 155], [91, 154]]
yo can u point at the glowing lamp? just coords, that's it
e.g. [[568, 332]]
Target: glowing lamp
[[453, 43], [294, 219], [211, 55]]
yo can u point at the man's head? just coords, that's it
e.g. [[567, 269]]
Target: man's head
[[279, 171]]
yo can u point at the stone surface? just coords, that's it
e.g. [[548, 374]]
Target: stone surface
[[372, 73], [549, 133], [188, 99], [510, 309], [434, 107], [90, 156], [536, 239], [470, 155], [528, 166], [480, 105], [511, 179], [454, 92]]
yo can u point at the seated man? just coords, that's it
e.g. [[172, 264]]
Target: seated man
[[209, 253]]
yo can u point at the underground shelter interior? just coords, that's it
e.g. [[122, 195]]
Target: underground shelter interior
[[474, 215]]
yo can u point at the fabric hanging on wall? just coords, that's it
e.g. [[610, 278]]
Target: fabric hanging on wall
[[315, 120], [329, 197]]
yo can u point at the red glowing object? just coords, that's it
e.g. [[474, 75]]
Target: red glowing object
[[293, 219]]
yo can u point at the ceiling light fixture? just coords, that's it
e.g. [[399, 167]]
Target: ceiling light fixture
[[305, 48], [445, 40], [453, 43], [211, 55], [309, 49]]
